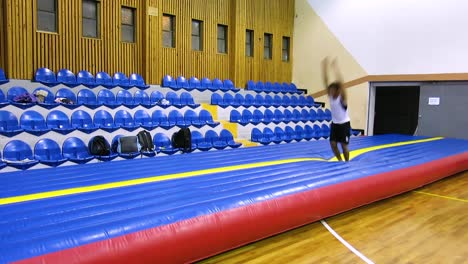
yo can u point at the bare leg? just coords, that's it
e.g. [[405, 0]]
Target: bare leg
[[336, 151], [345, 151]]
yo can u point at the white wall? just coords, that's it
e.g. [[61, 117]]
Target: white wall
[[400, 36]]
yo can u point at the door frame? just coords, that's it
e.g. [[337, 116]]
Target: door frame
[[371, 103]]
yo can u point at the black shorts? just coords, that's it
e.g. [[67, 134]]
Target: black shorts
[[340, 132]]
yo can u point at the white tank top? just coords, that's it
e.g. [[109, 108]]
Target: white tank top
[[339, 112]]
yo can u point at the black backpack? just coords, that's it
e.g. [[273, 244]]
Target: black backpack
[[145, 140], [99, 146], [182, 140]]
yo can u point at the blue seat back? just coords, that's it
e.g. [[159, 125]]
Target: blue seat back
[[182, 82], [175, 116], [141, 97], [86, 96], [286, 100], [197, 137], [217, 84], [57, 119], [260, 86], [278, 115], [320, 114], [216, 99], [251, 85], [226, 135], [50, 97], [247, 116], [268, 87], [205, 116], [268, 134], [136, 80], [317, 130], [45, 75], [15, 91], [309, 131], [259, 100], [2, 75], [173, 98], [47, 149], [66, 93], [17, 150], [325, 130], [249, 99], [32, 120], [191, 116], [103, 78], [124, 97], [293, 87], [86, 78], [228, 99], [268, 100], [75, 148], [186, 99], [235, 116], [305, 114], [194, 83], [161, 140], [66, 76], [294, 100], [239, 99], [141, 117], [120, 79], [279, 132], [168, 81], [277, 87], [300, 132], [310, 100], [256, 135], [211, 136], [123, 117], [2, 97], [105, 97], [8, 121], [257, 116], [328, 115], [156, 97], [103, 118], [158, 116], [289, 132], [228, 84], [312, 115], [277, 101], [296, 114], [286, 87], [80, 119], [288, 116], [268, 115]]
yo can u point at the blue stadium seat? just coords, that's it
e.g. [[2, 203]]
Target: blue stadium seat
[[107, 98], [257, 117], [121, 80], [293, 88], [48, 152], [310, 101], [239, 100], [260, 86], [49, 99], [67, 77], [125, 120], [285, 88], [190, 117], [206, 117], [9, 125], [75, 150], [187, 99], [309, 132], [228, 100], [217, 84], [268, 101], [87, 98], [300, 133], [206, 83], [194, 83], [216, 99], [141, 98], [270, 136], [305, 115], [182, 83], [137, 80], [320, 115], [235, 116], [197, 138], [156, 97], [317, 132], [302, 101], [125, 98], [104, 120], [169, 82], [257, 136], [325, 131], [46, 77], [249, 100], [288, 116], [251, 85], [176, 117], [297, 116], [163, 143], [290, 134], [3, 78], [82, 121], [213, 137], [328, 115], [227, 137], [86, 78], [259, 101], [114, 147], [59, 122], [173, 99], [312, 115], [277, 101], [202, 143], [268, 87], [14, 92], [18, 154], [294, 101], [278, 117], [160, 118], [110, 157], [3, 101], [286, 101], [33, 123], [229, 85], [68, 94], [104, 79], [247, 117], [143, 119], [277, 88], [268, 116]]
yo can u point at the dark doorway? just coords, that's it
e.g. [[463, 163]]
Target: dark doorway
[[396, 109]]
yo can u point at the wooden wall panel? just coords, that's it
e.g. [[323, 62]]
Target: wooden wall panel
[[3, 48], [68, 49]]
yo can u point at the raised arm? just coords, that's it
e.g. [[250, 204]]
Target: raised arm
[[325, 72], [340, 80]]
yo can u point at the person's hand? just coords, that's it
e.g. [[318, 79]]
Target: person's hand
[[325, 61]]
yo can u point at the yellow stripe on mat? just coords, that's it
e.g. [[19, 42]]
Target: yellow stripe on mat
[[355, 153]]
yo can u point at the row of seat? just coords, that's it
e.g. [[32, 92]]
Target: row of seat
[[19, 154], [195, 84], [3, 78], [259, 101], [104, 97], [34, 123], [68, 78], [268, 87], [289, 134], [256, 117]]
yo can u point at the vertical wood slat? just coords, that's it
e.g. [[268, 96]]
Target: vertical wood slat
[[3, 48]]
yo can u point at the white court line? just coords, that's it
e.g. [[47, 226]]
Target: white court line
[[355, 251]]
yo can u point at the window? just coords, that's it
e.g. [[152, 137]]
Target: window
[[128, 24], [286, 49], [90, 13], [268, 47], [47, 15], [249, 43], [168, 27], [222, 39], [197, 35]]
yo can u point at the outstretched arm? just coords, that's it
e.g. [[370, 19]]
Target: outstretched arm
[[339, 79], [325, 72]]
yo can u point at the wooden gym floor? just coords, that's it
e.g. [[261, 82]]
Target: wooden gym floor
[[428, 225]]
